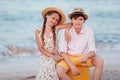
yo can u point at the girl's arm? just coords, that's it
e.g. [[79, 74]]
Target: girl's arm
[[62, 26], [42, 49]]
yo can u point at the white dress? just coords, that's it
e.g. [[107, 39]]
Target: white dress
[[47, 65]]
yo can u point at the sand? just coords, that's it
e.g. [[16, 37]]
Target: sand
[[26, 69], [110, 73]]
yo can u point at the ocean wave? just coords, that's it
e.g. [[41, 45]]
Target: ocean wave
[[107, 14], [12, 51], [15, 51], [107, 38]]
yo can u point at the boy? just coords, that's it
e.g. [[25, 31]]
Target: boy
[[74, 51]]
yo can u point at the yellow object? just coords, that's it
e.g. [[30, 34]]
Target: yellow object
[[84, 70], [84, 74], [76, 61]]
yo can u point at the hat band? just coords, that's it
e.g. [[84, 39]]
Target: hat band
[[78, 13]]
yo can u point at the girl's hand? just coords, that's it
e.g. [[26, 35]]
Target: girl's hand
[[69, 25], [57, 58]]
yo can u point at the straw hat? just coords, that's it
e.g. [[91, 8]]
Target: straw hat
[[54, 9], [78, 10]]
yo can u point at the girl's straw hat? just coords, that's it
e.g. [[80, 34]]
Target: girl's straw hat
[[54, 9]]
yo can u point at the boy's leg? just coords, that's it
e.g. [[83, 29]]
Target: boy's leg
[[98, 63], [62, 73], [95, 61], [62, 69]]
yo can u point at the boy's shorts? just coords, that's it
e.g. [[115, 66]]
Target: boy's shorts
[[75, 60]]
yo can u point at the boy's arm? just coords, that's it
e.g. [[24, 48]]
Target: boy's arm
[[91, 54], [91, 47], [63, 52], [66, 59], [73, 68]]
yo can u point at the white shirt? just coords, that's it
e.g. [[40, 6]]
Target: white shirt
[[79, 43]]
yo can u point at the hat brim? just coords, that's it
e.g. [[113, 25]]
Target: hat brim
[[54, 9], [85, 15]]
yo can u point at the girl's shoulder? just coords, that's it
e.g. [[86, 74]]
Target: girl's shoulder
[[39, 30]]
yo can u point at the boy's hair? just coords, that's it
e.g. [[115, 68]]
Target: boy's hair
[[75, 16]]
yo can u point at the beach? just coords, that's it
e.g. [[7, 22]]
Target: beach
[[19, 58], [110, 73], [26, 68]]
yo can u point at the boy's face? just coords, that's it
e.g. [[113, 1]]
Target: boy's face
[[77, 23]]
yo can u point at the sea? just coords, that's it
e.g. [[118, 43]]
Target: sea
[[20, 18]]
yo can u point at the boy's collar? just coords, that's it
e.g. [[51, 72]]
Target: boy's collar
[[82, 30]]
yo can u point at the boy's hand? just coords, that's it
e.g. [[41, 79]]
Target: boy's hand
[[75, 70], [84, 61]]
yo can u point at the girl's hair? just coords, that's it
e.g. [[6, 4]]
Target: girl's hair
[[53, 28], [75, 16]]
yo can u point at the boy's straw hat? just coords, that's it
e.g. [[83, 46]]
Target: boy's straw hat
[[54, 9], [78, 10]]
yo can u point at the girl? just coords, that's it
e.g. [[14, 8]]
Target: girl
[[47, 43]]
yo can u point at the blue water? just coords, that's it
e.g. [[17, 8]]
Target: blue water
[[20, 18]]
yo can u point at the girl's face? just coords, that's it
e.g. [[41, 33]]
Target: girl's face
[[78, 23], [53, 19]]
